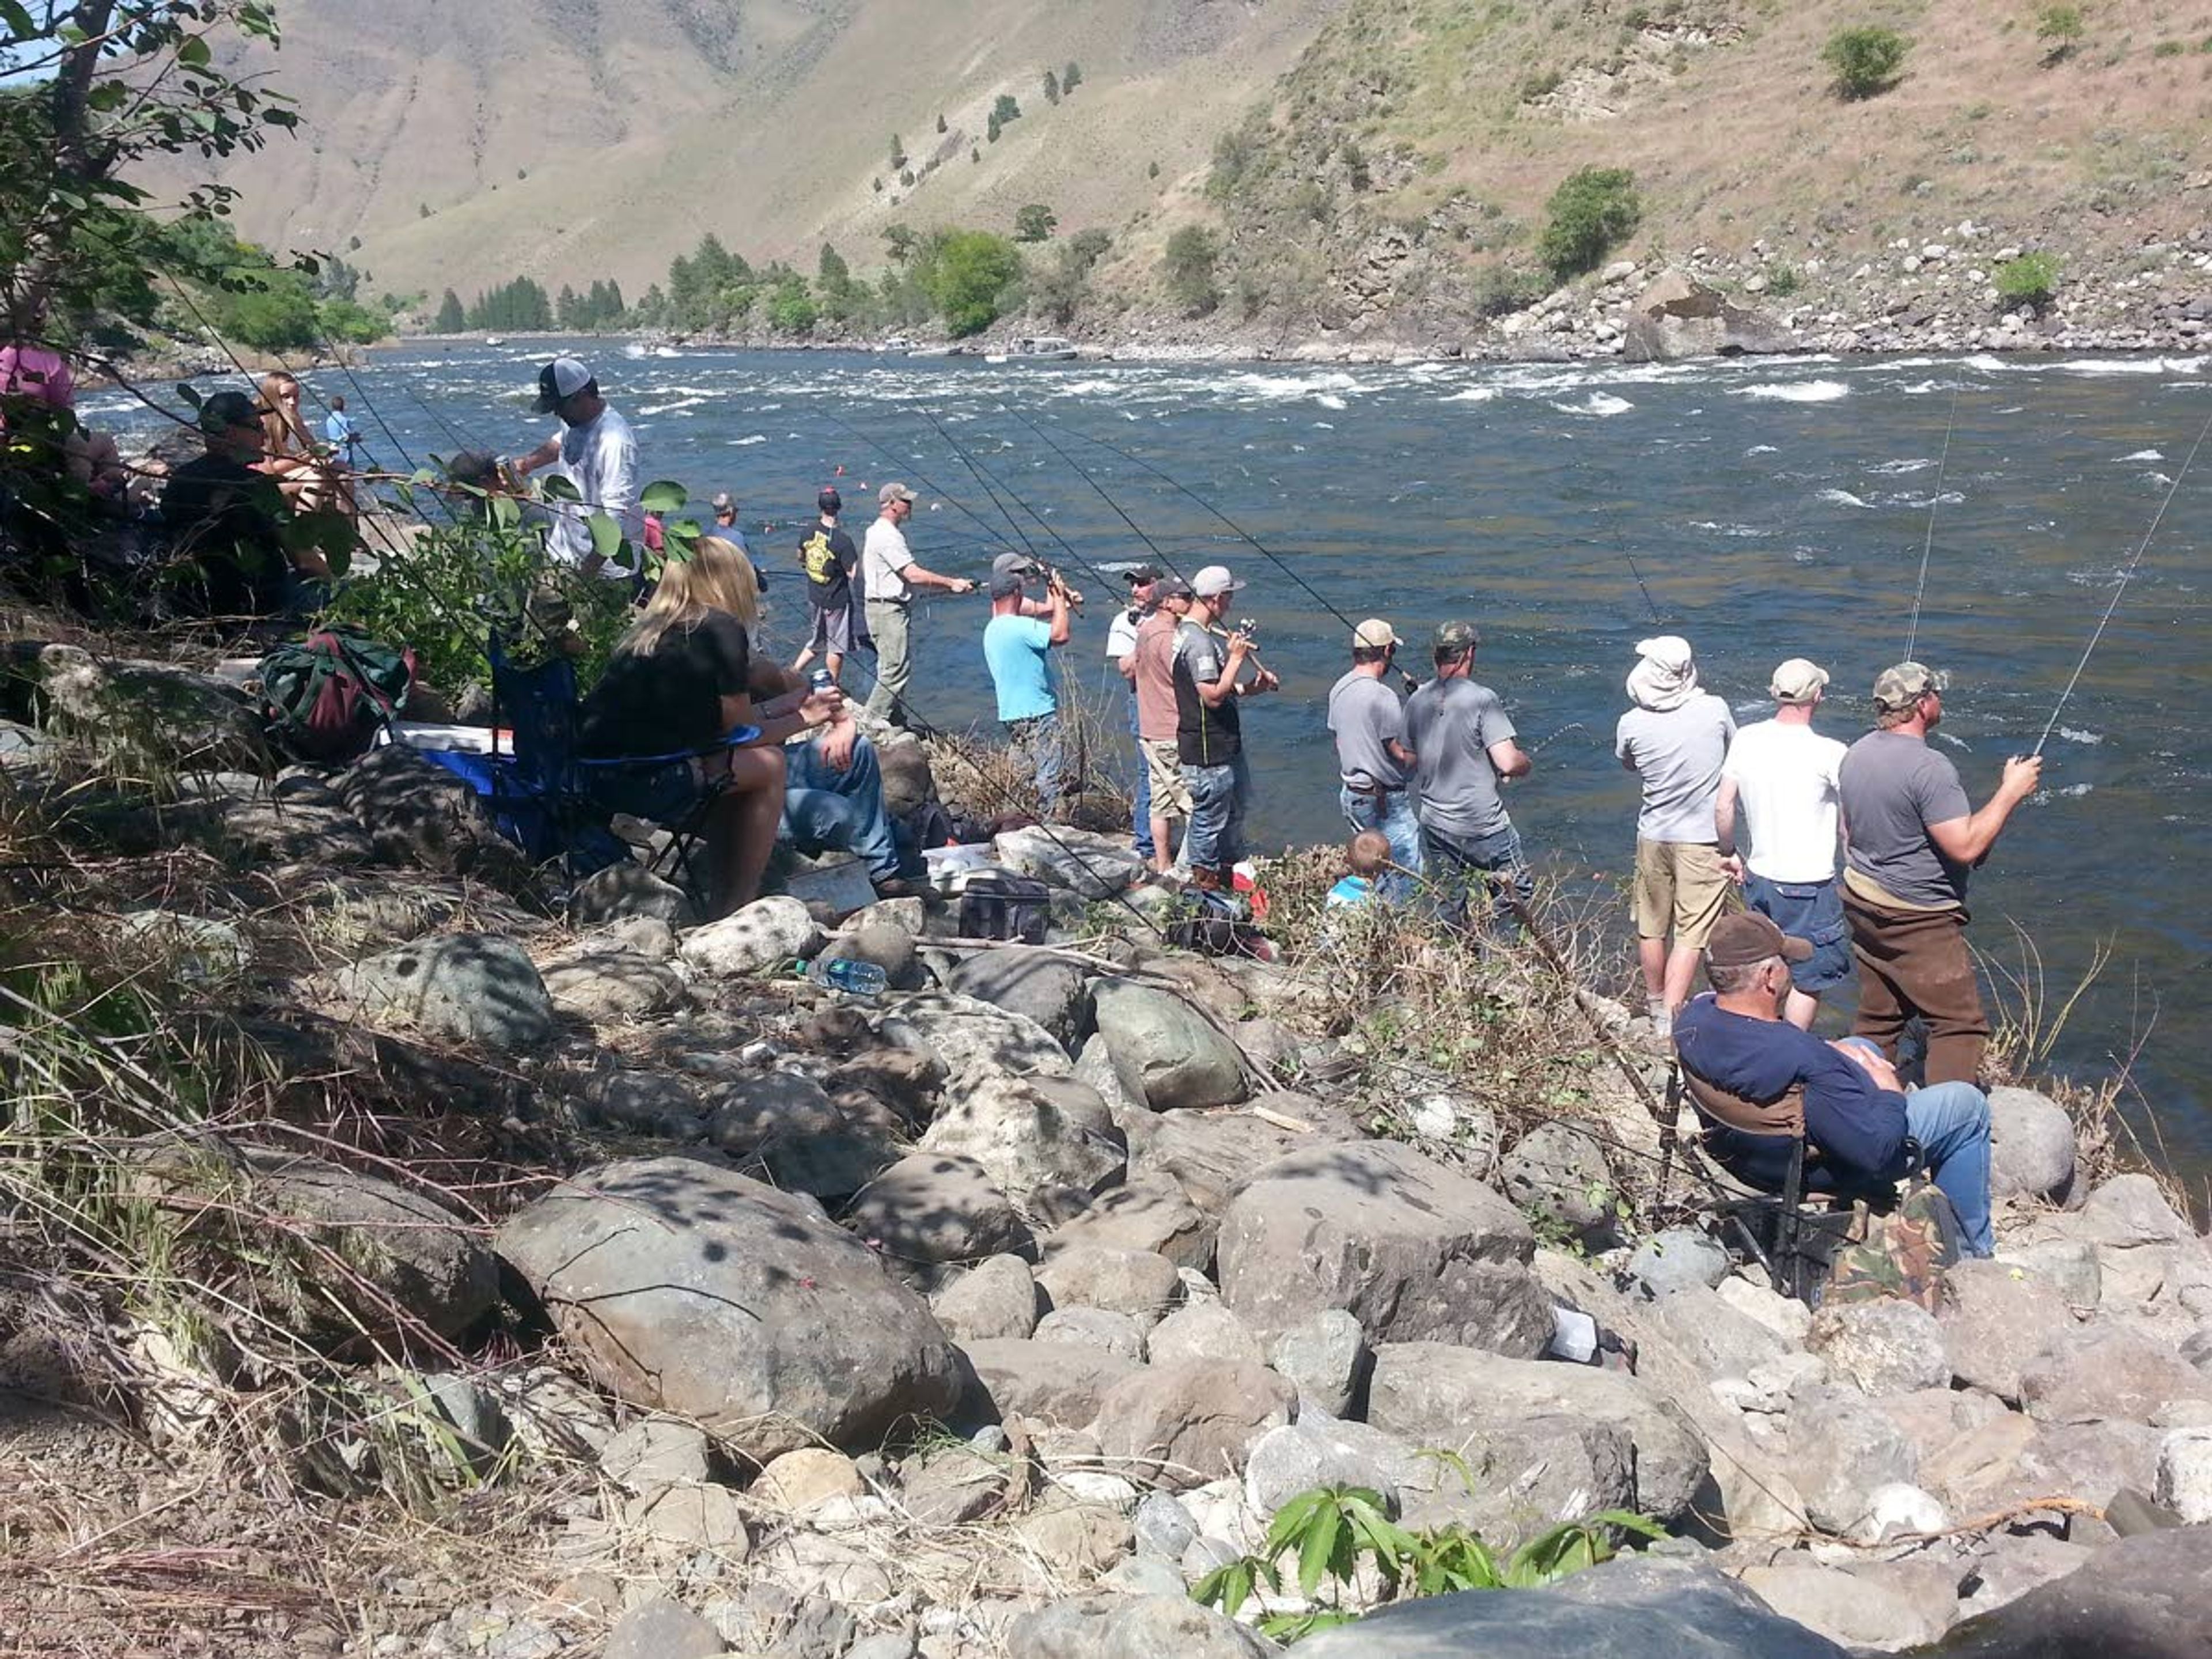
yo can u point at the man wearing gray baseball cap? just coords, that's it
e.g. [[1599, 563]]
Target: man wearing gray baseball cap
[[597, 452], [889, 577], [1781, 775]]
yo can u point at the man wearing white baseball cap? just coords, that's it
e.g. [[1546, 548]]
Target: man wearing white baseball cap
[[1209, 731], [1784, 777], [889, 576], [1373, 765], [597, 452]]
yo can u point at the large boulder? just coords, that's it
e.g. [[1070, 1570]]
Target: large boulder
[[2103, 1372], [417, 812], [1105, 1627], [931, 1211], [1999, 1319], [2031, 1145], [1089, 865], [1055, 1383], [692, 1290], [1842, 1450], [1032, 1132], [1885, 1347], [1436, 1396], [1149, 1212], [477, 987], [1677, 317], [1167, 1049], [1183, 1425], [1415, 1251], [1042, 985], [995, 1299], [2144, 1598], [767, 933], [1139, 1283], [1637, 1607], [974, 1040], [173, 717], [786, 1127], [1559, 1171], [1209, 1155]]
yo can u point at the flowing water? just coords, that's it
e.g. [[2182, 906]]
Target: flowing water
[[1774, 508]]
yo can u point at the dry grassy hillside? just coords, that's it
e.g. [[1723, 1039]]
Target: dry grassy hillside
[[639, 125]]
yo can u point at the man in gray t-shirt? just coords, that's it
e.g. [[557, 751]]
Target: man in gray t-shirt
[[1368, 724], [1463, 747], [1674, 739], [1913, 841]]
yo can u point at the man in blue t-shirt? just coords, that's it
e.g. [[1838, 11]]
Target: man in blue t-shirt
[[1863, 1127], [1018, 649]]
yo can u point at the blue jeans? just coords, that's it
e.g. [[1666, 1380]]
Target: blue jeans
[[1458, 864], [1039, 740], [828, 810], [1812, 911], [1391, 813], [1950, 1121], [1219, 796], [1141, 820]]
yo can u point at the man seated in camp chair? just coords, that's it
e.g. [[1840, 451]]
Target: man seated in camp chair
[[833, 788], [1756, 1078]]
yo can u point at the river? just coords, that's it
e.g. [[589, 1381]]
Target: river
[[1773, 508]]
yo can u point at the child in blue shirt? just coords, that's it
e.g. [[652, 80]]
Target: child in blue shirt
[[1366, 858]]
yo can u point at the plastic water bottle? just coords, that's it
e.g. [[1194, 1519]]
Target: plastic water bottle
[[821, 679], [860, 979]]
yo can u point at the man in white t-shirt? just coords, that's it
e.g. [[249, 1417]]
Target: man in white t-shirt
[[1121, 652], [1784, 775], [889, 577], [596, 451]]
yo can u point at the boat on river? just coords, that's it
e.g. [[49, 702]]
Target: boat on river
[[1035, 348]]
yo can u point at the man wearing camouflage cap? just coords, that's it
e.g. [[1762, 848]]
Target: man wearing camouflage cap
[[1915, 840], [1375, 768], [1463, 748]]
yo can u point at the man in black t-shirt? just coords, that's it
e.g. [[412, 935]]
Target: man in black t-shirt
[[827, 554], [222, 519], [1209, 731]]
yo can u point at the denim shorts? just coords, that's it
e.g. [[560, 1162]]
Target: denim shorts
[[1812, 911], [667, 795]]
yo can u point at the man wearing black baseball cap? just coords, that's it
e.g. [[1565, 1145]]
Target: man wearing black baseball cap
[[1756, 1078], [826, 553], [222, 518], [1121, 652], [597, 452]]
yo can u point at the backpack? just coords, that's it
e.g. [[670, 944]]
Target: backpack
[[325, 697], [1902, 1253], [994, 905]]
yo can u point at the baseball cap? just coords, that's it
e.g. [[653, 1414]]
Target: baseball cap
[[1137, 576], [722, 503], [830, 501], [893, 492], [1900, 687], [1373, 635], [1739, 940], [1016, 565], [1004, 583], [1214, 580], [224, 409], [560, 381], [1171, 587], [1796, 681], [1454, 637]]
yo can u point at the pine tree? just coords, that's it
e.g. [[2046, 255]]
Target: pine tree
[[452, 318], [1071, 77], [1051, 88]]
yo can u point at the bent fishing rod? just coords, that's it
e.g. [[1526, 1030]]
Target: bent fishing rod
[[2127, 574], [1927, 542]]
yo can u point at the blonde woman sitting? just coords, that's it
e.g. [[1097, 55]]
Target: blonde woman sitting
[[288, 453]]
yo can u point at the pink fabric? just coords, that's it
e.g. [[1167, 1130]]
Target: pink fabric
[[33, 370]]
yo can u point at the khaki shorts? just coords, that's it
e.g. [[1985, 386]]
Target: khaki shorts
[[1679, 889], [1170, 794]]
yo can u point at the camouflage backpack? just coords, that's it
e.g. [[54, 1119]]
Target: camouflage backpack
[[1902, 1253]]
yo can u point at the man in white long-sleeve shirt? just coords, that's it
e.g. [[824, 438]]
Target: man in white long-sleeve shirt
[[597, 452]]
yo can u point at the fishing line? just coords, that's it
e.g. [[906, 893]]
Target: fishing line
[[1912, 628], [990, 533], [982, 483], [2127, 574], [1635, 570]]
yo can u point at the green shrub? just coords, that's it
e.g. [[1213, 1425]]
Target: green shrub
[[2168, 49], [1189, 265], [1783, 280], [1866, 60], [970, 274], [2060, 29], [1593, 211], [1498, 290], [2030, 280], [791, 310], [1035, 223], [1539, 86]]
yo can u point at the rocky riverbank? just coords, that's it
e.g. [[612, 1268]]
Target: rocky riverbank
[[616, 1290]]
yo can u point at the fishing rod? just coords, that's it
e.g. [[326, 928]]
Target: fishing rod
[[1927, 542], [987, 478], [1636, 570], [983, 482], [2127, 574], [990, 533]]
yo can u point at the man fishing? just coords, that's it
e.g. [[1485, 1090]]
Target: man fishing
[[828, 556], [1782, 774], [1373, 764], [597, 452], [1915, 841], [1121, 652], [889, 577], [1209, 728], [1674, 739], [1464, 749], [1018, 649], [1156, 717]]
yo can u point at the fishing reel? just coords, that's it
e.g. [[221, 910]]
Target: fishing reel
[[1249, 628]]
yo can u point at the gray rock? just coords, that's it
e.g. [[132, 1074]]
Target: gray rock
[[1212, 1154], [1885, 1347], [655, 1452], [645, 1102], [895, 1644], [2030, 1144], [767, 934], [1557, 1170], [1039, 984], [995, 1299], [1842, 1450], [1677, 318], [1133, 1282], [180, 720], [1435, 1395], [1715, 1337], [477, 987], [930, 1211], [1116, 1333], [1636, 1607], [417, 812], [887, 947], [1048, 1382], [1411, 1249], [1148, 1212], [692, 1290], [1206, 1555], [974, 1041], [788, 1130], [662, 1629], [1099, 1626], [1142, 1575], [1846, 1607], [1167, 1049], [2185, 1474], [1203, 1330], [1299, 1457], [1327, 1360], [1092, 866], [2008, 1565], [1999, 1320], [952, 1486], [613, 985], [197, 949], [628, 891], [1183, 1425], [1676, 1258], [1164, 1526], [1032, 1132], [2106, 1372], [2070, 1264], [2144, 1598], [905, 1080], [683, 1520]]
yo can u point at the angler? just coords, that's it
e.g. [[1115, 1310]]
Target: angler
[[1209, 727], [889, 577]]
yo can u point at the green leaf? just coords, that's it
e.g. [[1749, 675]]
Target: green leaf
[[18, 20], [662, 496], [1315, 1552], [606, 535], [557, 487], [506, 512], [192, 51]]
